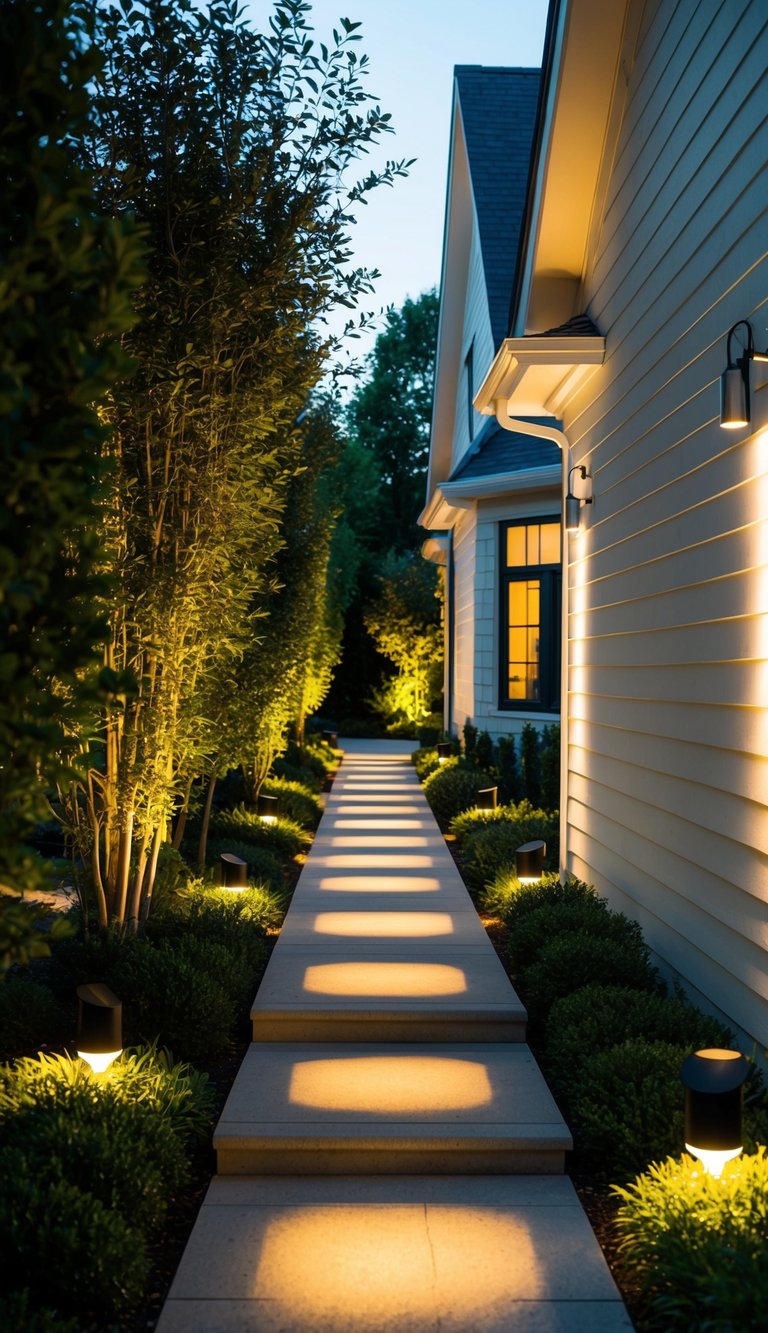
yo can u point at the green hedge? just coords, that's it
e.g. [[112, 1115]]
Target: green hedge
[[297, 802], [282, 838], [30, 1018], [490, 848], [452, 788], [568, 962], [506, 897], [535, 929]]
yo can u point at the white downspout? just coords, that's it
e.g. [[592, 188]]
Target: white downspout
[[556, 437]]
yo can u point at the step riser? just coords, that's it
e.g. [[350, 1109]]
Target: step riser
[[389, 1162], [381, 1028]]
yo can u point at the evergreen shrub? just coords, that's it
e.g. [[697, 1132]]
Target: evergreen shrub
[[506, 897], [263, 865], [297, 801], [452, 789], [696, 1245], [283, 838], [568, 962], [491, 848], [535, 929], [30, 1018]]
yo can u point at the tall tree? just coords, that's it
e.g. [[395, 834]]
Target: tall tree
[[231, 147], [66, 272], [391, 411]]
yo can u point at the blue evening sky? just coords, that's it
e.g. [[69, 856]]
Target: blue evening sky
[[412, 47]]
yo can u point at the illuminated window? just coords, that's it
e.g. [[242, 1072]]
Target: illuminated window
[[530, 615]]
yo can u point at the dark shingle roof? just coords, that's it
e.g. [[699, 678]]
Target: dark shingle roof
[[580, 326], [498, 108], [496, 450]]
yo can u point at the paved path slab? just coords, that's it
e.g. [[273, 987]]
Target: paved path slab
[[402, 1254]]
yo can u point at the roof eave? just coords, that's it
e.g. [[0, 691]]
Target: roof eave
[[532, 376], [452, 498]]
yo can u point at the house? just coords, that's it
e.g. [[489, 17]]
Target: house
[[644, 258], [493, 494]]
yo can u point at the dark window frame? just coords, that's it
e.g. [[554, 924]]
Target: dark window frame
[[550, 581]]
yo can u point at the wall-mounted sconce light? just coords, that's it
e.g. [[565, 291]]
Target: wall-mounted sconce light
[[713, 1081], [487, 798], [266, 808], [444, 751], [735, 406], [331, 738], [573, 503], [529, 861], [99, 1026], [233, 871]]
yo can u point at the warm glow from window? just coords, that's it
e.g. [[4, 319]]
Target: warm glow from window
[[379, 884], [396, 925], [389, 1265], [404, 1085], [393, 980]]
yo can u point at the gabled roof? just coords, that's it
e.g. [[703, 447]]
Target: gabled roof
[[498, 109], [497, 451]]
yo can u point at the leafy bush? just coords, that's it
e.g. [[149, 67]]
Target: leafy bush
[[282, 837], [508, 898], [425, 761], [491, 848], [474, 820], [568, 962], [172, 876], [530, 762], [484, 753], [506, 762], [288, 772], [237, 920], [597, 1017], [451, 789], [627, 1107], [29, 1018], [533, 930], [297, 801], [696, 1245], [263, 866], [17, 1311], [90, 1166]]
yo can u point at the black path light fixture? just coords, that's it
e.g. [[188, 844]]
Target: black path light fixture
[[487, 799], [735, 404], [529, 861], [331, 738], [444, 751], [713, 1080], [99, 1025], [574, 503], [233, 872], [266, 807]]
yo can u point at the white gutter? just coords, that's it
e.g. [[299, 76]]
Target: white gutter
[[557, 437]]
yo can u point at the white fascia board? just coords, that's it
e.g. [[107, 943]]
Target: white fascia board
[[450, 499]]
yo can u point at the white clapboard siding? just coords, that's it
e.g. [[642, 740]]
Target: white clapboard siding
[[464, 566], [476, 330], [668, 630]]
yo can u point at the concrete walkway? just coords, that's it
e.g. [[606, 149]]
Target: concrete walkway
[[390, 1159]]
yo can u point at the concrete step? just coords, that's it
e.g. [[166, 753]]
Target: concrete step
[[401, 1254], [311, 993], [387, 1108]]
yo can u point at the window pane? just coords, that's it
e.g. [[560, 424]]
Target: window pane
[[532, 588], [517, 686], [518, 645], [532, 551], [515, 546], [518, 604], [550, 543], [532, 682]]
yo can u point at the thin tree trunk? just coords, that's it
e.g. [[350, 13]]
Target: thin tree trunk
[[123, 869], [133, 911], [181, 818], [203, 844], [149, 882]]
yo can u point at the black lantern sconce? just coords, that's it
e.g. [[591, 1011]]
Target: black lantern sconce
[[573, 503], [99, 1026], [487, 798], [735, 405], [444, 751], [266, 808], [529, 861], [713, 1080], [233, 872]]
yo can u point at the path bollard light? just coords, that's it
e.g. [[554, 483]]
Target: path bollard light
[[266, 808], [529, 861], [486, 798], [99, 1026], [444, 751], [234, 872], [331, 738], [713, 1081]]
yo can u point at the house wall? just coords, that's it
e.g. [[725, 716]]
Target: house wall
[[476, 328], [668, 631], [464, 567]]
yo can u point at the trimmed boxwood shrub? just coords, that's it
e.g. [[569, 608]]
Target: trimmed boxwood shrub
[[297, 801], [473, 820], [237, 920], [568, 962], [627, 1106], [30, 1018], [283, 838], [535, 929], [491, 848], [453, 787], [508, 898], [696, 1245], [425, 761], [597, 1017]]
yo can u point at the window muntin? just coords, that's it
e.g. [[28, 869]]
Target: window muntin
[[530, 615]]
